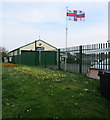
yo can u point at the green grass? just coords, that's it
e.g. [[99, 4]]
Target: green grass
[[25, 95]]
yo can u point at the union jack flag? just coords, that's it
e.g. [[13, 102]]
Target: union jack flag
[[76, 15]]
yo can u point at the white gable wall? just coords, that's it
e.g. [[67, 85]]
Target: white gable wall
[[46, 46], [11, 54], [31, 46], [15, 52]]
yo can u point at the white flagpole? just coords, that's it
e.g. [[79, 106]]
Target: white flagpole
[[66, 39]]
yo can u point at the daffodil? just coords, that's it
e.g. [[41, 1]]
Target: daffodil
[[7, 103], [76, 103], [80, 94], [27, 110]]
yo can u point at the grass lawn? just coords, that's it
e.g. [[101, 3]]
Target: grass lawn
[[30, 92]]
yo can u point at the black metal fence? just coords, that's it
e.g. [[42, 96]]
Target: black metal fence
[[80, 58]]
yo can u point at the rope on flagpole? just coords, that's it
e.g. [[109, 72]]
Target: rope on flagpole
[[66, 39]]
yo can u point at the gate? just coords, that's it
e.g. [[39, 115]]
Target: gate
[[30, 58], [47, 58]]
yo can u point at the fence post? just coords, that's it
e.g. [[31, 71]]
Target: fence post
[[80, 59], [35, 53], [58, 58], [108, 56]]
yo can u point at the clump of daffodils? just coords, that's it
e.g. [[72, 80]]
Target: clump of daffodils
[[28, 110], [41, 74]]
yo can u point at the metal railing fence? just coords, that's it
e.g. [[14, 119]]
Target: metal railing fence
[[80, 58]]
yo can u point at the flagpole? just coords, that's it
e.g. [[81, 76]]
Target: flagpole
[[66, 39]]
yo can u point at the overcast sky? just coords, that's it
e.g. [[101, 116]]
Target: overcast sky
[[24, 22]]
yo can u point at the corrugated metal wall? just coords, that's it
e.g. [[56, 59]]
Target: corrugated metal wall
[[34, 58], [48, 58]]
